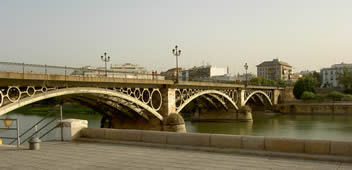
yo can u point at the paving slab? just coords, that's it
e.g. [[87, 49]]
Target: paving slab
[[88, 155]]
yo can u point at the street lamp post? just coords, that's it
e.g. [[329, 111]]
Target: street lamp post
[[246, 67], [176, 53], [105, 59]]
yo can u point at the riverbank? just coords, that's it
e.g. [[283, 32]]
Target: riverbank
[[321, 108]]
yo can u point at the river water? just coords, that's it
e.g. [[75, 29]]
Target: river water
[[292, 126]]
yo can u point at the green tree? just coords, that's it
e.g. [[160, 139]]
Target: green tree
[[307, 95], [316, 75], [307, 83], [345, 79], [263, 81]]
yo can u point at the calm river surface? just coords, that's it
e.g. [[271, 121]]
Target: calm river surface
[[292, 126]]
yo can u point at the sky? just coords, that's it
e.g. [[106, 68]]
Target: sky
[[307, 34]]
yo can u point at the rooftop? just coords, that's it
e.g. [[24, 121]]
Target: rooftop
[[275, 61]]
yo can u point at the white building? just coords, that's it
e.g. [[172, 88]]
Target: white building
[[128, 68], [207, 72], [329, 75]]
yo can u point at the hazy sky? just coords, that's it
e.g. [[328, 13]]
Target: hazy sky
[[308, 34]]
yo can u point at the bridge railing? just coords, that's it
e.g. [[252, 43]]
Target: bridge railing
[[91, 72], [75, 71]]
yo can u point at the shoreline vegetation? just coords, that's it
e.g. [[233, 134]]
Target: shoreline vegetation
[[43, 110], [332, 96]]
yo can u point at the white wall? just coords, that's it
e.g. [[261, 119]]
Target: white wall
[[218, 71]]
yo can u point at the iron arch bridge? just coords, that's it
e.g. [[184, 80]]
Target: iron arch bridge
[[140, 100], [150, 100]]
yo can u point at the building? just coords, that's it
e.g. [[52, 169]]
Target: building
[[127, 70], [171, 73], [206, 72], [198, 73], [274, 70], [243, 77], [329, 75]]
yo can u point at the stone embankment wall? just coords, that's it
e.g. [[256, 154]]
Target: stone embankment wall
[[315, 108], [273, 144]]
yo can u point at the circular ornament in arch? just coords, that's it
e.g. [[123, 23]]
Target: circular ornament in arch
[[145, 96], [129, 91], [44, 89], [178, 98], [184, 94], [137, 93], [30, 91], [156, 98], [13, 94], [1, 98]]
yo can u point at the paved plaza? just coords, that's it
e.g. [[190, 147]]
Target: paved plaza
[[86, 155]]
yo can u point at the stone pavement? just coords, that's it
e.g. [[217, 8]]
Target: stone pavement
[[86, 155]]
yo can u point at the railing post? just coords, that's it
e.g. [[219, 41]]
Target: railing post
[[61, 125], [23, 70], [46, 76], [18, 133], [65, 73], [35, 130]]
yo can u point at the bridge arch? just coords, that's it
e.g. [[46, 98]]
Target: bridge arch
[[75, 90], [258, 92], [196, 95]]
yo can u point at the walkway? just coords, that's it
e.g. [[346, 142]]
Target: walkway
[[81, 155]]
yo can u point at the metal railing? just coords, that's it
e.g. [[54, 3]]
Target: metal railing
[[38, 130], [9, 128], [35, 126], [89, 72], [73, 71]]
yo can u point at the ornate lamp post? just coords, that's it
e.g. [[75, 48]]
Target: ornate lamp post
[[105, 59], [176, 53], [246, 67]]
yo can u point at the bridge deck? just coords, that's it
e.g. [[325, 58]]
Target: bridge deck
[[15, 79], [82, 155]]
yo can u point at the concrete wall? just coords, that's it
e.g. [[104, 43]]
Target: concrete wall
[[315, 109], [213, 115], [274, 144]]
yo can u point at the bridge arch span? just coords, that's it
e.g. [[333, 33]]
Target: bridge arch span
[[76, 90], [196, 95], [258, 92]]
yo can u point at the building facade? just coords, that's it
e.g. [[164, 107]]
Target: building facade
[[274, 70], [171, 73], [127, 70], [329, 75], [206, 72]]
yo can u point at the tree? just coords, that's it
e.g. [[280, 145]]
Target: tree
[[307, 95], [345, 79], [263, 81], [316, 75], [307, 83]]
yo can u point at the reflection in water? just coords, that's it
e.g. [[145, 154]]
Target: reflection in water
[[292, 126]]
